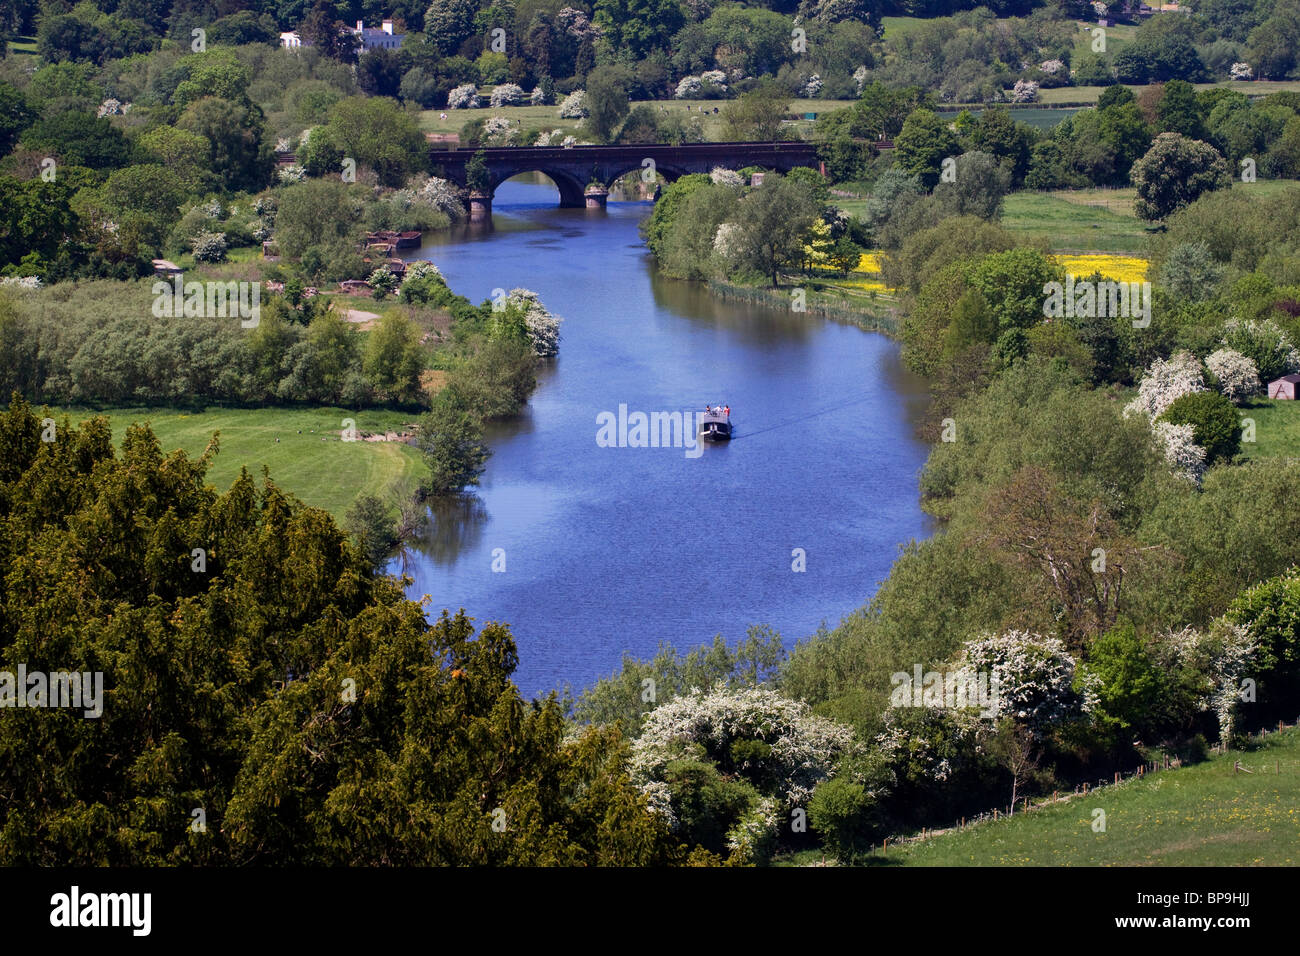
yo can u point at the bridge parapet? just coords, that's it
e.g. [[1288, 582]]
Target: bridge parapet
[[573, 168]]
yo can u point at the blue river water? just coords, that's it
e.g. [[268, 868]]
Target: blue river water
[[600, 551]]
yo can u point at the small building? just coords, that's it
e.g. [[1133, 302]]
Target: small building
[[756, 179], [355, 287], [381, 39], [290, 40], [164, 267], [1284, 387]]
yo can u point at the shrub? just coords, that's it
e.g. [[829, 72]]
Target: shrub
[[209, 247], [507, 94], [463, 97], [575, 105], [1214, 420]]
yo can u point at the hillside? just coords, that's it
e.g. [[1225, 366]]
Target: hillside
[[1202, 815]]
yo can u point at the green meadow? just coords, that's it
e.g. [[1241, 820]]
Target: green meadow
[[301, 448]]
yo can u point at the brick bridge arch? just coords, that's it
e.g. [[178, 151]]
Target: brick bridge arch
[[573, 167]]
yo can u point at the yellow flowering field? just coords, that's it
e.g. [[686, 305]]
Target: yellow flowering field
[[1118, 268]]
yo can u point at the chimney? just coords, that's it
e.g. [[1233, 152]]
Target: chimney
[[360, 28], [388, 27]]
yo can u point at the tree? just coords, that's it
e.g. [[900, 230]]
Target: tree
[[634, 28], [15, 116], [378, 133], [392, 360], [1179, 112], [78, 139], [238, 153], [370, 522], [756, 115], [316, 213], [1175, 172], [978, 186], [923, 144], [1015, 751], [1216, 424], [450, 437], [607, 102], [477, 177], [772, 222], [329, 35]]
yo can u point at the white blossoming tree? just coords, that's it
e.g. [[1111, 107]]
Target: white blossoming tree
[[726, 177], [209, 246], [542, 327], [1025, 91], [1034, 678], [1166, 381], [688, 88], [1182, 453], [575, 106], [773, 743], [1237, 374], [506, 94], [464, 97]]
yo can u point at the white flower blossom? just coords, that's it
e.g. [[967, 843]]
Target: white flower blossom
[[464, 97], [1165, 382], [506, 94], [1181, 451], [1237, 374], [575, 106]]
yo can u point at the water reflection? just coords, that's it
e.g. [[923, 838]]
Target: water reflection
[[455, 526]]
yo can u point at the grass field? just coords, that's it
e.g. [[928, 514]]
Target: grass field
[[1277, 429], [1201, 815], [1091, 220], [24, 45], [326, 474]]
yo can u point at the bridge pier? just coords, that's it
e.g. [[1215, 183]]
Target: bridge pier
[[596, 197], [480, 207]]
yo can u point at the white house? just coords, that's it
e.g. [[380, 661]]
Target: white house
[[371, 39], [382, 39]]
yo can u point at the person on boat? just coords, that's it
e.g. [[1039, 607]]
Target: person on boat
[[727, 411]]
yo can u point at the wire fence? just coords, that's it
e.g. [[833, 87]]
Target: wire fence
[[1084, 788]]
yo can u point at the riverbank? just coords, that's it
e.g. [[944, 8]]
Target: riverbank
[[815, 300]]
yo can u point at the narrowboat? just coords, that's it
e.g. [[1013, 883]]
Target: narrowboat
[[715, 425]]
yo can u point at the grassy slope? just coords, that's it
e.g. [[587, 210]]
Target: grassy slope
[[1094, 220], [1085, 221], [325, 474], [1277, 429], [1203, 815]]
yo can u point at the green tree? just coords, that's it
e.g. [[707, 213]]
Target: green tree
[[1215, 421], [771, 224], [756, 115], [392, 359], [451, 439], [607, 102], [238, 153], [923, 144], [1175, 172]]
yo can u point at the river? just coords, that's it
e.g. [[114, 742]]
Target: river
[[600, 551]]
